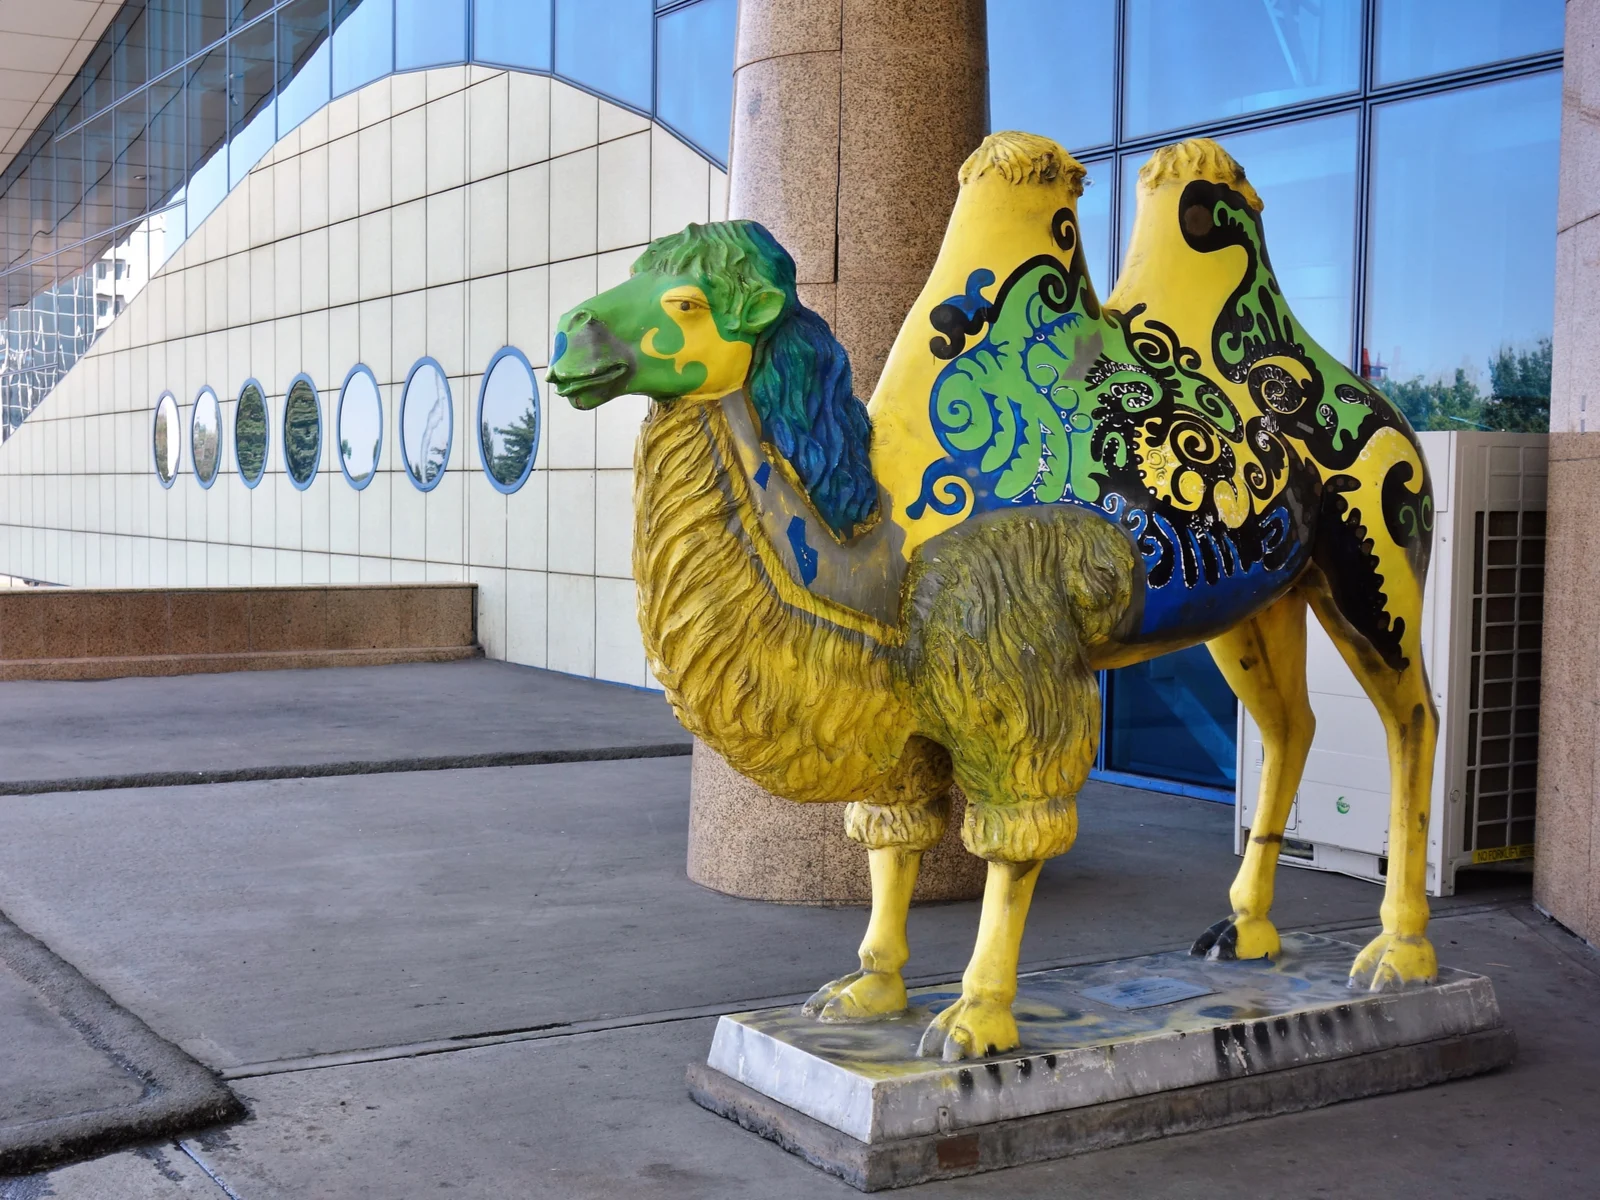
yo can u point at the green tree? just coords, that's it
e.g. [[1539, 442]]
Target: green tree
[[1520, 389], [517, 446], [1436, 404]]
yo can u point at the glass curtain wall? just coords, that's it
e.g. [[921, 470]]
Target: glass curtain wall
[[1356, 120], [180, 98]]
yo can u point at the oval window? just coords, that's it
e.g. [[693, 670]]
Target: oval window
[[250, 433], [302, 432], [167, 439], [425, 420], [508, 420], [205, 437], [360, 426]]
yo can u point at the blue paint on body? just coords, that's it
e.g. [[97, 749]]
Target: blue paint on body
[[803, 553], [763, 473]]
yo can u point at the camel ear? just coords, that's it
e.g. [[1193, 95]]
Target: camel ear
[[762, 309]]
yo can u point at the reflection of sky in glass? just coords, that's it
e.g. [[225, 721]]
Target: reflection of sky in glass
[[1305, 174], [1094, 224], [1427, 37], [1456, 271], [205, 434], [694, 57], [514, 32], [425, 423], [360, 426], [508, 419], [607, 47], [1186, 63], [168, 438], [1028, 42], [429, 32]]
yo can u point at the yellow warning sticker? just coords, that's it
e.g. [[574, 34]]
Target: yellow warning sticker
[[1502, 853]]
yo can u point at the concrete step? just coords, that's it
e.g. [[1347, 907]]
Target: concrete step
[[93, 633]]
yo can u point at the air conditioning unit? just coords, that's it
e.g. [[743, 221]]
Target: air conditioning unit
[[1482, 625]]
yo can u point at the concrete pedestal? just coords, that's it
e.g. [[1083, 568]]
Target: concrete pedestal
[[747, 842], [1113, 1053]]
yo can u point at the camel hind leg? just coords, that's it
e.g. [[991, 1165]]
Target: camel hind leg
[[1264, 661], [1397, 684]]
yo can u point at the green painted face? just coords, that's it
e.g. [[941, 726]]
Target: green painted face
[[658, 335]]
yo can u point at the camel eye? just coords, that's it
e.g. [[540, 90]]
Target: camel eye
[[684, 306]]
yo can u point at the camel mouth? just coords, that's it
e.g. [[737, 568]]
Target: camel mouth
[[591, 389]]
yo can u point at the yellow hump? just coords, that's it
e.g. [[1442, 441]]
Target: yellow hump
[[1197, 158], [1021, 158]]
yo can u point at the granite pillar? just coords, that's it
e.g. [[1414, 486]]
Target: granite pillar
[[850, 121], [1566, 881]]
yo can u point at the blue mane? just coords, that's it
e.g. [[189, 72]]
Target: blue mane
[[799, 373]]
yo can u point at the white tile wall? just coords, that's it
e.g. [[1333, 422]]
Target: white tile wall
[[446, 213]]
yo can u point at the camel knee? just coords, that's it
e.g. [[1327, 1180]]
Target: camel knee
[[899, 826], [1020, 831]]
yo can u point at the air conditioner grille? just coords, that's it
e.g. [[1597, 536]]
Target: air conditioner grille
[[1503, 700]]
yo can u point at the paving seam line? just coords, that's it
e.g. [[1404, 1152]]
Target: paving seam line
[[540, 1033], [383, 766]]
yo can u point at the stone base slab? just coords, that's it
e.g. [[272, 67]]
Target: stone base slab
[[1111, 1052], [875, 1166]]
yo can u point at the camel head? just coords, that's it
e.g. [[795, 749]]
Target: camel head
[[686, 323], [709, 311]]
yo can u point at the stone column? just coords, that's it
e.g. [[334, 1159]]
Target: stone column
[[850, 121], [1566, 878]]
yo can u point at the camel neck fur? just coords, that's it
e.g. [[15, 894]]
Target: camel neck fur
[[766, 673]]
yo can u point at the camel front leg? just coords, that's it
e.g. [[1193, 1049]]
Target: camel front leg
[[980, 1023], [877, 991]]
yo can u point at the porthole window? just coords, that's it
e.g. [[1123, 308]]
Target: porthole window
[[508, 419], [425, 424], [360, 426], [250, 433], [166, 439], [205, 437], [302, 432]]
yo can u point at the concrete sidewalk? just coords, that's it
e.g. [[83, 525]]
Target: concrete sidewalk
[[489, 981], [268, 724]]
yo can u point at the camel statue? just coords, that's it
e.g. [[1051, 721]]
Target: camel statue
[[865, 603]]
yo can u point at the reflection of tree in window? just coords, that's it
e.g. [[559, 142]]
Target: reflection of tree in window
[[250, 434], [515, 444], [302, 432], [1518, 399], [205, 448], [161, 447]]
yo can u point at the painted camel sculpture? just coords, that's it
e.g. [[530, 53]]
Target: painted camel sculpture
[[866, 609]]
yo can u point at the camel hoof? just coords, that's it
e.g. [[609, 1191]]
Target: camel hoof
[[1238, 938], [970, 1028]]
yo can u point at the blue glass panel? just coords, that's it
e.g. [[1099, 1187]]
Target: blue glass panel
[[130, 30], [1454, 275], [363, 43], [167, 19], [512, 33], [168, 160], [1427, 37], [429, 33], [1094, 224], [242, 12], [208, 22], [1173, 717], [303, 61], [605, 45], [1305, 173], [252, 126], [694, 64], [1186, 63], [1029, 40]]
